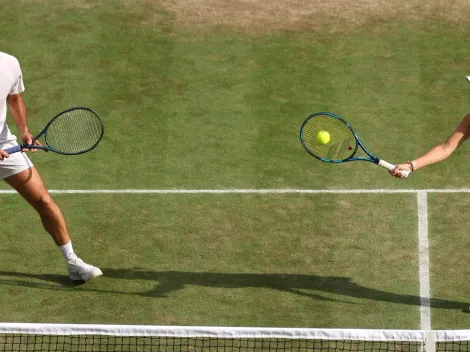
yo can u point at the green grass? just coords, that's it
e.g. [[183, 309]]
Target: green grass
[[236, 260], [219, 108], [449, 255]]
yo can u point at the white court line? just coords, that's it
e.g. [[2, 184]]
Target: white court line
[[245, 191], [425, 288]]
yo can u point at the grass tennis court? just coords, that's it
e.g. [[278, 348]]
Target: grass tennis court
[[190, 103]]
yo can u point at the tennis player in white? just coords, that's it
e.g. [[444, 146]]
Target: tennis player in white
[[19, 172]]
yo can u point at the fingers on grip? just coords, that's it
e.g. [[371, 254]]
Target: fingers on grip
[[404, 174]]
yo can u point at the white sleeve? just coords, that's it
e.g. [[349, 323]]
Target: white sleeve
[[18, 86]]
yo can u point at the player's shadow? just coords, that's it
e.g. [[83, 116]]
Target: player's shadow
[[24, 280], [167, 282], [171, 281]]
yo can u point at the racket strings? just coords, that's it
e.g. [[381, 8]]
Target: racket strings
[[75, 131], [342, 144]]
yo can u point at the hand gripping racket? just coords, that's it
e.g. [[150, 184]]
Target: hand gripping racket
[[71, 132], [329, 138]]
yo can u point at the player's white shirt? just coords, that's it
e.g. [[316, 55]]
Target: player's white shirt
[[11, 82]]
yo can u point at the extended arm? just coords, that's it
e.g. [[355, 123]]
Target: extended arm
[[440, 151]]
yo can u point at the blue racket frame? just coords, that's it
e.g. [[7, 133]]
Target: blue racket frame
[[372, 158]]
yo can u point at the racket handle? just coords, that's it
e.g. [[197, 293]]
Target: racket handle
[[391, 167], [14, 149]]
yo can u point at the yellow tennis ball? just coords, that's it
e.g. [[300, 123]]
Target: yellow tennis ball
[[323, 137]]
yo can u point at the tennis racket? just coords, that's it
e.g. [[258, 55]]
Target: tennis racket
[[73, 131], [329, 138]]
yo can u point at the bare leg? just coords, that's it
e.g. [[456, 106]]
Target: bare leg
[[30, 186]]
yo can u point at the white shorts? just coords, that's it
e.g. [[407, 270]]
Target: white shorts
[[16, 163]]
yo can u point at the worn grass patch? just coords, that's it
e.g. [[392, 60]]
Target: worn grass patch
[[257, 16], [274, 15]]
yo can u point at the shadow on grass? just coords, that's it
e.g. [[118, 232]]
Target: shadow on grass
[[171, 281]]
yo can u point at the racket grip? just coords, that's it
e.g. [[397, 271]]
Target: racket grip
[[391, 167], [14, 149]]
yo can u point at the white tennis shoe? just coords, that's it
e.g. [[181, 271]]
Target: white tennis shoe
[[79, 270]]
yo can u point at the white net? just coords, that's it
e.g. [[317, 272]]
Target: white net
[[77, 337]]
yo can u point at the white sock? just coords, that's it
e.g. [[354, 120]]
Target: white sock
[[66, 249]]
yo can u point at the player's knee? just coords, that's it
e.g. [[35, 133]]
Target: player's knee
[[45, 203]]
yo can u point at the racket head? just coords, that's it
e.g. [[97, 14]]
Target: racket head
[[343, 142], [74, 131]]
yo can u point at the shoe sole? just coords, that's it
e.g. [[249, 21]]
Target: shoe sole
[[77, 277]]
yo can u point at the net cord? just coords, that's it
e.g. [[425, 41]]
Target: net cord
[[236, 332]]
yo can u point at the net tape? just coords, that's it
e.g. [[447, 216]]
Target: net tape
[[92, 337]]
